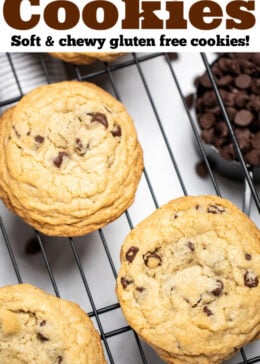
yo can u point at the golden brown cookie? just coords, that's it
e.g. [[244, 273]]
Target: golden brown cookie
[[82, 58], [38, 328], [189, 280], [70, 160]]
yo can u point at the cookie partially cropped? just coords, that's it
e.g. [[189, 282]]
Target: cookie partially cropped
[[189, 280], [82, 58], [70, 160], [38, 328]]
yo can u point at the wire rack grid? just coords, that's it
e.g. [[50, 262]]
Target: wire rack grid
[[153, 87]]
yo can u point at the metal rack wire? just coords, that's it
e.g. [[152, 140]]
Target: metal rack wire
[[106, 73]]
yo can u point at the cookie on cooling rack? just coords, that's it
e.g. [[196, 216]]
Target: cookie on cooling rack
[[70, 160], [189, 280], [37, 328], [82, 58]]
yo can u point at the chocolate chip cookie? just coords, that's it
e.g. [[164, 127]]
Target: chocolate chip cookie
[[70, 160], [82, 58], [38, 328], [238, 78], [189, 280]]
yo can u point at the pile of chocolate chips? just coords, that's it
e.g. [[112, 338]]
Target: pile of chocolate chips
[[238, 78]]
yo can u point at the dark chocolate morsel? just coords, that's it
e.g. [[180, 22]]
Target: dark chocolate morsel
[[152, 259], [41, 337], [207, 311], [253, 157], [189, 100], [243, 81], [201, 169], [207, 120], [116, 131], [216, 209], [125, 282], [256, 140], [57, 161], [99, 118], [39, 139], [250, 280], [237, 77], [32, 246], [248, 256], [243, 117], [191, 246], [173, 56], [131, 253], [217, 291]]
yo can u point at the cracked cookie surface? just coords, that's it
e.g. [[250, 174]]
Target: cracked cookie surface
[[189, 280], [38, 328], [71, 161]]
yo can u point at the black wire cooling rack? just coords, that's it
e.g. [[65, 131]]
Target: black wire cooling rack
[[84, 269]]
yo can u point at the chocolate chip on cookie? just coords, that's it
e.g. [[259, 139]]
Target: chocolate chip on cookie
[[131, 253]]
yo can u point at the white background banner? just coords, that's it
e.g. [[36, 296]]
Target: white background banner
[[129, 25]]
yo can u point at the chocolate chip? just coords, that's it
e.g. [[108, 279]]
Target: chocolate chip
[[216, 209], [43, 323], [41, 337], [224, 80], [207, 311], [116, 131], [256, 86], [201, 169], [60, 359], [208, 136], [16, 132], [237, 77], [205, 81], [243, 81], [99, 118], [79, 147], [152, 259], [253, 157], [222, 129], [173, 56], [189, 100], [256, 141], [250, 280], [248, 256], [39, 139], [243, 117], [131, 253], [241, 99], [217, 291], [228, 98], [207, 120], [59, 159], [197, 303], [191, 246], [125, 282], [227, 152], [140, 289], [32, 246]]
